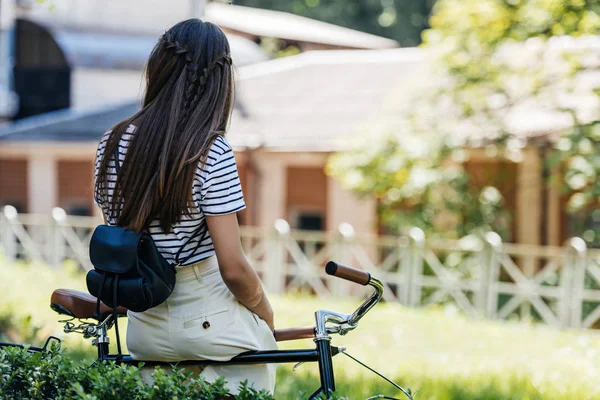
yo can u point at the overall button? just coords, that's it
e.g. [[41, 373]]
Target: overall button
[[206, 324]]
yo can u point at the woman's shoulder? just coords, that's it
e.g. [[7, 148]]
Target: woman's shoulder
[[220, 155], [220, 146], [125, 137]]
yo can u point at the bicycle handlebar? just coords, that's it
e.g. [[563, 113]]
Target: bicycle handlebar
[[348, 273], [344, 322], [282, 335]]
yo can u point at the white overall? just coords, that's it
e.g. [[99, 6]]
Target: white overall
[[202, 320]]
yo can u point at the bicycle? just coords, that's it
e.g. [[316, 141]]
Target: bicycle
[[81, 306]]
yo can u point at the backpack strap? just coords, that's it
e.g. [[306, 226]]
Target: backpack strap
[[202, 228], [115, 314], [115, 283], [100, 286], [116, 157]]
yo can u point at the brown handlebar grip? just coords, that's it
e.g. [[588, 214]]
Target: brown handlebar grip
[[281, 335], [347, 273]]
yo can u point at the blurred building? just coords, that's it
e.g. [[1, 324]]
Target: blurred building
[[304, 33], [77, 62], [8, 98], [78, 69], [291, 115], [85, 54]]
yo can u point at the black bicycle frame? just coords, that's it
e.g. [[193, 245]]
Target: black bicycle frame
[[322, 354], [32, 349], [250, 357]]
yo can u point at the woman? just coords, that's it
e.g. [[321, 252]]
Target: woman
[[177, 179]]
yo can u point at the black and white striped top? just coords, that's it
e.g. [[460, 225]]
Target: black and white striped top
[[217, 191]]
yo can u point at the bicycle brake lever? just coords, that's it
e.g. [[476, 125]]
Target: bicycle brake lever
[[345, 328], [341, 329]]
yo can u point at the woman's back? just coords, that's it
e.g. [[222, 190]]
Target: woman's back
[[216, 191], [176, 178]]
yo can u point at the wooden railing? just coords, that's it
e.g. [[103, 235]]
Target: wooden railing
[[479, 276]]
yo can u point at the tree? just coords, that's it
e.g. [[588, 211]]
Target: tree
[[498, 60], [401, 20]]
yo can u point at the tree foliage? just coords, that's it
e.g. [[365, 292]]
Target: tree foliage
[[510, 74], [401, 20], [403, 172]]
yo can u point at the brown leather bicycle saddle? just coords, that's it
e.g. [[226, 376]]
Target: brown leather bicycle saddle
[[80, 304]]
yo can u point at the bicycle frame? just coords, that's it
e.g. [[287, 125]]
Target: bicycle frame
[[322, 354], [32, 349], [327, 323]]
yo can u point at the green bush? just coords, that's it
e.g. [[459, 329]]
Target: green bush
[[437, 352], [53, 375]]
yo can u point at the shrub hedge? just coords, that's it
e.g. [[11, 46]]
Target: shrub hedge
[[53, 375]]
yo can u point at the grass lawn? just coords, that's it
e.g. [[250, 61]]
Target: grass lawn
[[438, 353]]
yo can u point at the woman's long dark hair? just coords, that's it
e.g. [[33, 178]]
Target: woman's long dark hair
[[187, 104]]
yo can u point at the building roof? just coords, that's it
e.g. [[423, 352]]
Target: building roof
[[315, 101], [126, 50], [153, 18], [268, 23], [309, 102], [67, 125]]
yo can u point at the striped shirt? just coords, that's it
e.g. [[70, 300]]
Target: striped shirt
[[216, 191]]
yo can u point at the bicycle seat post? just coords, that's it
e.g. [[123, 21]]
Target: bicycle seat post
[[102, 341]]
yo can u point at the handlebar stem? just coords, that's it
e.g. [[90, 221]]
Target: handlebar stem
[[369, 303], [322, 317], [346, 322]]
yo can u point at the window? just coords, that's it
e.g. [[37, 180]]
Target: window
[[308, 221], [79, 210], [306, 197], [311, 222]]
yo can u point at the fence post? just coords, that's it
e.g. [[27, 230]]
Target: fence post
[[9, 238], [275, 273], [574, 281], [57, 251], [487, 298], [404, 276], [416, 249], [528, 267]]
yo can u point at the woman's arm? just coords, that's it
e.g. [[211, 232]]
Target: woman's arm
[[237, 273]]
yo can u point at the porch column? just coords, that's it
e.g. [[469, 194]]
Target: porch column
[[553, 234], [345, 206], [271, 189], [529, 192], [42, 184]]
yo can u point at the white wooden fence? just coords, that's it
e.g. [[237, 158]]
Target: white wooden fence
[[481, 277]]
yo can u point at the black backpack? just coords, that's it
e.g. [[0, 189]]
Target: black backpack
[[129, 270]]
